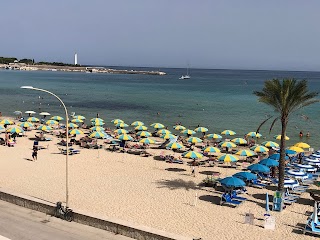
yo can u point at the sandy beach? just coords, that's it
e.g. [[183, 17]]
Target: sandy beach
[[145, 191]]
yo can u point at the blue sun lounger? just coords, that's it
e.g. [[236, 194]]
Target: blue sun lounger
[[256, 183], [226, 198], [312, 227], [234, 196]]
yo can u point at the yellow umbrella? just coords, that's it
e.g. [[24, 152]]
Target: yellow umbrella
[[296, 149], [278, 137], [302, 145]]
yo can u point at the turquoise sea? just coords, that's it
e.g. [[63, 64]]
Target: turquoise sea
[[216, 99]]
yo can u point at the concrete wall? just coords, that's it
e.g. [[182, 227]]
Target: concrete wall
[[109, 224]]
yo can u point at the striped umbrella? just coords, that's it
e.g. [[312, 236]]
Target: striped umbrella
[[75, 132], [57, 118], [120, 131], [6, 121], [97, 128], [174, 145], [144, 134], [44, 128], [227, 144], [137, 123], [124, 137], [302, 145], [168, 136], [147, 141], [201, 129], [179, 127], [239, 140], [213, 136], [163, 131], [96, 120], [192, 154], [188, 131], [259, 149], [254, 134], [2, 127], [52, 122], [157, 125], [26, 124], [194, 140], [97, 134], [228, 158], [296, 149], [33, 119], [122, 125], [211, 150], [228, 132], [72, 125], [141, 128], [79, 117], [116, 121], [270, 144], [278, 137], [15, 130], [247, 153], [77, 120], [97, 123]]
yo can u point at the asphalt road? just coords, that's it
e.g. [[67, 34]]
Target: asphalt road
[[17, 223]]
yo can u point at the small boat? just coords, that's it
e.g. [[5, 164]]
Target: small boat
[[187, 76]]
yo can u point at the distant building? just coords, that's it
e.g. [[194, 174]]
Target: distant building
[[75, 59]]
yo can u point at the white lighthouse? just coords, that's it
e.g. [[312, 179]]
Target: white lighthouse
[[75, 59]]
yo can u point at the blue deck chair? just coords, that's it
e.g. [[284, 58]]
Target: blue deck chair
[[256, 183], [234, 196], [226, 198], [312, 227], [289, 195]]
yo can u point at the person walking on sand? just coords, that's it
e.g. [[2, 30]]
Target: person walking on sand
[[35, 153], [193, 168]]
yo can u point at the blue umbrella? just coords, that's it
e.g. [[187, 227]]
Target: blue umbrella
[[246, 176], [276, 156], [232, 182], [258, 168], [269, 162], [288, 151]]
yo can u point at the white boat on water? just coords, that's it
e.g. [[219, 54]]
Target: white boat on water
[[187, 76]]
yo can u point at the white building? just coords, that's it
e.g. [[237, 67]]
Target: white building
[[75, 59]]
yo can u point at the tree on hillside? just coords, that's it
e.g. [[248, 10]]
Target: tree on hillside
[[286, 97]]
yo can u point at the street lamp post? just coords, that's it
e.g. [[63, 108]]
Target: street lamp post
[[67, 136]]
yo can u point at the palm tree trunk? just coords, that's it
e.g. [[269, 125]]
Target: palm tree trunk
[[282, 160]]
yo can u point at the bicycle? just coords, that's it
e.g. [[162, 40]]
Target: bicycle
[[64, 213]]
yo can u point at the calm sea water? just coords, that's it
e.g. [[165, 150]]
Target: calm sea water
[[216, 99]]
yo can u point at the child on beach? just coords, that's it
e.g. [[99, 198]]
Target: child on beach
[[35, 153]]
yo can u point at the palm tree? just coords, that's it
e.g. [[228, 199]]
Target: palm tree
[[286, 97]]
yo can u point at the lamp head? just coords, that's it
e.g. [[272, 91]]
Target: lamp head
[[26, 87]]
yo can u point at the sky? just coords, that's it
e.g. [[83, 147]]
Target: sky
[[215, 34]]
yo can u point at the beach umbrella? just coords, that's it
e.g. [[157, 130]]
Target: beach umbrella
[[194, 140], [201, 129], [144, 134], [30, 112], [120, 131], [77, 120], [239, 140], [232, 182], [141, 128], [298, 174], [75, 132], [246, 176], [26, 125], [168, 136], [174, 145], [116, 121], [44, 128], [270, 144], [124, 137], [44, 114], [258, 168], [52, 122], [179, 127], [33, 119], [147, 141], [57, 118], [276, 156], [288, 151], [137, 123], [97, 134], [289, 183], [269, 162], [306, 167], [122, 125], [228, 158], [228, 132], [96, 120], [163, 131], [247, 153], [213, 136], [2, 127], [72, 125], [157, 125], [192, 154], [97, 123], [97, 128], [79, 117], [302, 145], [254, 134], [259, 149], [6, 122], [15, 130], [188, 131], [17, 112], [296, 149], [227, 144], [278, 137], [211, 150]]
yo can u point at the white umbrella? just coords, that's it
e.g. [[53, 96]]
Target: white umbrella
[[30, 112], [17, 112], [44, 114]]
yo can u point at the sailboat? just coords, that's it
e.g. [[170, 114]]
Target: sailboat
[[187, 76]]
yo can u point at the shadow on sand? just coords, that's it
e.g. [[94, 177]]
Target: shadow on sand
[[176, 184], [175, 169]]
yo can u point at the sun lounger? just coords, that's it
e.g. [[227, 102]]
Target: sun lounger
[[258, 184], [312, 227], [226, 198], [234, 196]]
